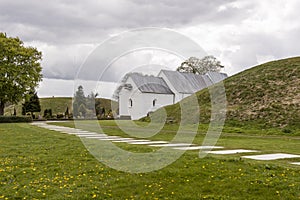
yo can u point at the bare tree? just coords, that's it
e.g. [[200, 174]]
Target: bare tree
[[200, 66]]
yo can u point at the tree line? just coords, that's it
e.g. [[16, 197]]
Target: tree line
[[89, 106]]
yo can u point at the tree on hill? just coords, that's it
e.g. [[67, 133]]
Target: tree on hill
[[91, 100], [98, 108], [47, 113], [79, 102], [32, 104], [82, 110], [67, 114], [20, 70], [15, 111], [200, 66]]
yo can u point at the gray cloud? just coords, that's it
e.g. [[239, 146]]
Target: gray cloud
[[237, 32], [87, 21]]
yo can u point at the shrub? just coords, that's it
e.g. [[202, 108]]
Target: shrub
[[287, 130], [47, 113], [60, 116], [14, 119]]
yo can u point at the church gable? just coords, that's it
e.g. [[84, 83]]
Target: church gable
[[150, 84]]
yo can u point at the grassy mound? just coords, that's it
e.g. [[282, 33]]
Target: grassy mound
[[267, 96]]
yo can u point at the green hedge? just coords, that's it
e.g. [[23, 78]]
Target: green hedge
[[14, 119]]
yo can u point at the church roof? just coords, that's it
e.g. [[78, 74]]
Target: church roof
[[186, 83], [216, 76], [150, 84], [189, 83]]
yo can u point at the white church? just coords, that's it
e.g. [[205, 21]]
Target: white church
[[141, 94]]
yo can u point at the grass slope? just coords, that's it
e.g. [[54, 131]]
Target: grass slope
[[267, 95], [57, 104]]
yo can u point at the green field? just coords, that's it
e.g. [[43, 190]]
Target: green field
[[40, 164]]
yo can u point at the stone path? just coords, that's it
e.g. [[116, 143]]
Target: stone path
[[295, 163], [274, 156], [172, 145], [198, 148], [150, 142], [177, 146]]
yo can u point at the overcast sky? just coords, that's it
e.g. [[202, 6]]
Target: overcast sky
[[240, 34]]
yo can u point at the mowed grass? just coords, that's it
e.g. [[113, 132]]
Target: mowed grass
[[40, 164], [265, 141]]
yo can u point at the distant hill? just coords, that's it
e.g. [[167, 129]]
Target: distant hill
[[57, 104], [267, 95]]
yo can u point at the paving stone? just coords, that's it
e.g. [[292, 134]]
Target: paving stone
[[91, 135], [150, 142], [295, 163], [97, 135], [82, 134], [198, 147], [81, 131], [274, 156], [132, 140], [109, 139], [172, 145], [233, 151]]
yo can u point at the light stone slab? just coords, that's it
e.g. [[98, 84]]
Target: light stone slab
[[81, 131], [198, 148], [150, 142], [274, 156], [295, 163], [105, 138], [132, 140], [82, 134], [109, 139], [67, 131], [172, 145], [96, 136], [233, 151], [90, 135]]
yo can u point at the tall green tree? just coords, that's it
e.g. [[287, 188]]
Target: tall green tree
[[20, 70], [15, 111], [32, 104], [91, 101], [79, 102], [67, 114]]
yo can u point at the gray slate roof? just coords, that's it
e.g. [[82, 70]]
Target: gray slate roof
[[216, 76], [150, 84], [188, 83]]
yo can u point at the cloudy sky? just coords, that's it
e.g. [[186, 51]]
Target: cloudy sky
[[240, 33]]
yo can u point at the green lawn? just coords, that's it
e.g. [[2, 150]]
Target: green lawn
[[40, 164]]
